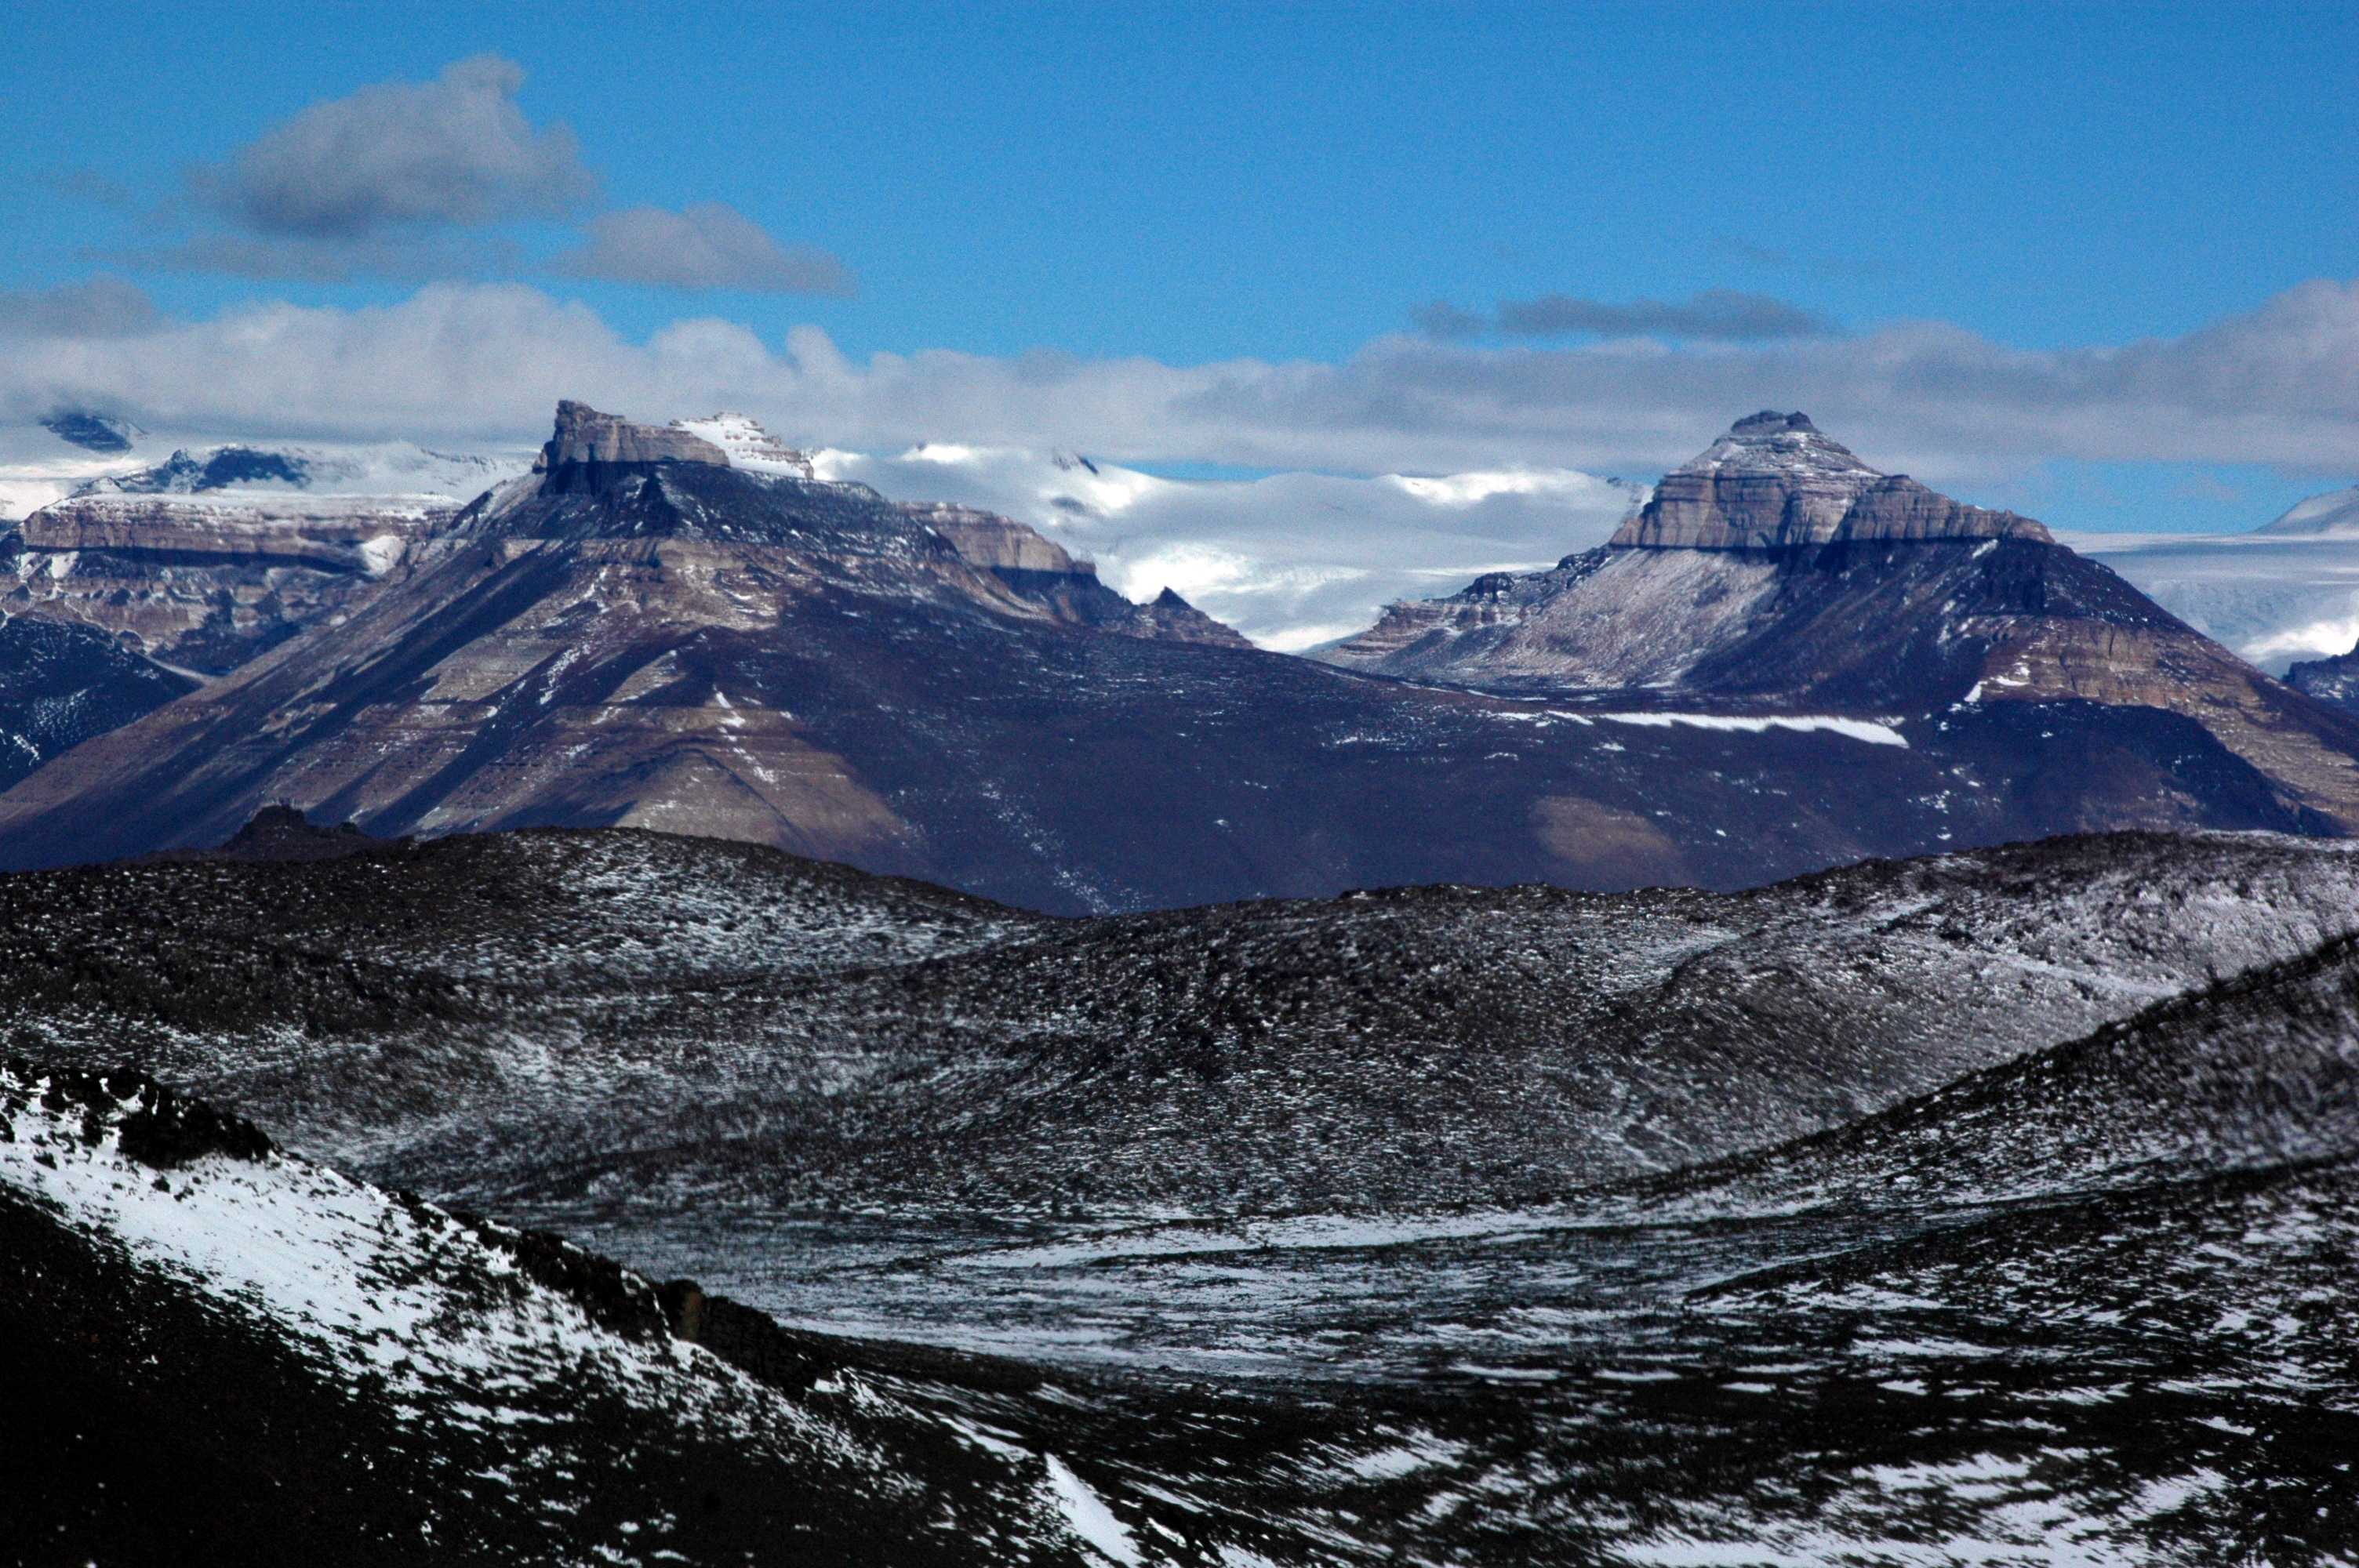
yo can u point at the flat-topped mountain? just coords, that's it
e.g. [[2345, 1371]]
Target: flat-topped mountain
[[1777, 572]]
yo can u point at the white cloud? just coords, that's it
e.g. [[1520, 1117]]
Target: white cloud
[[1290, 559], [1475, 455], [2279, 384]]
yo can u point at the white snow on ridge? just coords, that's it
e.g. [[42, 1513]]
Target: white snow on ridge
[[1866, 731]]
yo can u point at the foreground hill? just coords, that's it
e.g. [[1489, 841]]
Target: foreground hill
[[1777, 572], [2090, 1306], [567, 1017], [650, 631]]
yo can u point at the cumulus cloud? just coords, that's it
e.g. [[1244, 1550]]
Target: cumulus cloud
[[2278, 384], [92, 307], [1718, 314], [399, 155], [704, 246]]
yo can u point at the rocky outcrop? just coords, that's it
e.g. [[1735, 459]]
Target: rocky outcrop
[[996, 542], [1040, 570], [1775, 480], [2334, 680], [584, 435]]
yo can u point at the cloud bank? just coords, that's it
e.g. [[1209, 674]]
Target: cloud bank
[[2278, 384]]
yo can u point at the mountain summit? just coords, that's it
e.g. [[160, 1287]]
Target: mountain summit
[[1777, 572], [1775, 480]]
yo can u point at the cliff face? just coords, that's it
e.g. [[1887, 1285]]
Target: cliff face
[[1041, 571], [1777, 572]]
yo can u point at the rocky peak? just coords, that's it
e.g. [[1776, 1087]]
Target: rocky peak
[[584, 435], [1776, 480]]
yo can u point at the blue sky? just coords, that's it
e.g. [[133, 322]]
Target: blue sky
[[1204, 183]]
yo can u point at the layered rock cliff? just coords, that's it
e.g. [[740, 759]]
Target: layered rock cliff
[[1776, 480]]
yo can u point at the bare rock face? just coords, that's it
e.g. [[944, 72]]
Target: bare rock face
[[1040, 570], [2334, 680], [585, 436], [1776, 480]]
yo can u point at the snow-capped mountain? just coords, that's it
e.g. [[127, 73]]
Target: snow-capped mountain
[[1778, 572], [2336, 512]]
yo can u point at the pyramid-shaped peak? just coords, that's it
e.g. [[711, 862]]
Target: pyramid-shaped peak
[[1776, 480], [1771, 442]]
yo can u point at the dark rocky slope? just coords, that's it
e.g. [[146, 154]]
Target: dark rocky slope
[[1965, 1322], [61, 683], [630, 1017]]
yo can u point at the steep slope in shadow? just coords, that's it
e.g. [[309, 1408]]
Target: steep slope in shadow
[[60, 684]]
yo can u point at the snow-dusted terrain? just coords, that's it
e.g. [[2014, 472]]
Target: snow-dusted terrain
[[2087, 1304]]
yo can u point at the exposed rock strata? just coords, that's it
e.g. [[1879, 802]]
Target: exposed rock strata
[[585, 436], [1776, 480], [214, 556]]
